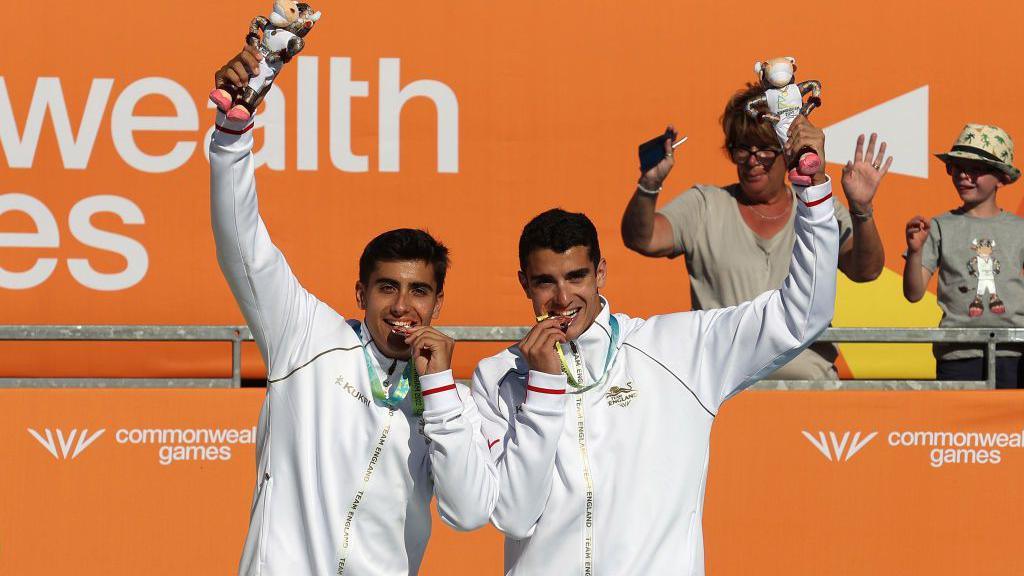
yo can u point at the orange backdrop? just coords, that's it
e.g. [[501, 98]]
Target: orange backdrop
[[124, 482], [104, 220], [103, 128]]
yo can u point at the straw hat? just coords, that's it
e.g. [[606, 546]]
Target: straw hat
[[989, 145]]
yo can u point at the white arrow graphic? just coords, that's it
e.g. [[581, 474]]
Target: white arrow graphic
[[835, 451], [48, 443], [66, 442], [901, 122], [858, 444]]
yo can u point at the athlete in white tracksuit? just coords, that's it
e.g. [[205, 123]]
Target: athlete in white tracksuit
[[610, 481], [343, 483]]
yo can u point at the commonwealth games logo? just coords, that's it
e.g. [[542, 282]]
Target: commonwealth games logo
[[66, 447]]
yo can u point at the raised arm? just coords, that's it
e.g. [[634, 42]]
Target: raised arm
[[922, 239], [717, 353], [863, 259], [276, 307], [742, 344], [644, 230]]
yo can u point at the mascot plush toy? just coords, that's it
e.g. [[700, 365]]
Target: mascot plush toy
[[784, 99], [279, 38]]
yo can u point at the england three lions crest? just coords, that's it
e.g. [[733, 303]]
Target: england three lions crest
[[621, 395]]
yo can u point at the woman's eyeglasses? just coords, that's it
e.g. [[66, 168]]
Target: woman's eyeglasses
[[765, 157]]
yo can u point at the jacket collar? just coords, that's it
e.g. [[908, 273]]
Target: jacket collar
[[594, 342], [386, 366]]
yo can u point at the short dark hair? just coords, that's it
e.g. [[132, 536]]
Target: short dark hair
[[559, 231], [402, 245], [742, 130]]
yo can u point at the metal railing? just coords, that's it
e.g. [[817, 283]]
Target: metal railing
[[130, 333], [989, 337]]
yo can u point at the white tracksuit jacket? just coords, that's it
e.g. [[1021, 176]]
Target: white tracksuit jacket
[[344, 484], [610, 481]]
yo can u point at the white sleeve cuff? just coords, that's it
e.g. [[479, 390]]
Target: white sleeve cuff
[[439, 393], [816, 202], [227, 132], [545, 391]]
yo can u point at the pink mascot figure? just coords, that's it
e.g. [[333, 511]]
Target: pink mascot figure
[[279, 38], [784, 99]]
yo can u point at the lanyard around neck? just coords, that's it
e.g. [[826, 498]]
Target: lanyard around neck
[[392, 397], [576, 381]]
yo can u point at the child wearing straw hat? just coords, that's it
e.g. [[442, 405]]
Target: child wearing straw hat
[[978, 250]]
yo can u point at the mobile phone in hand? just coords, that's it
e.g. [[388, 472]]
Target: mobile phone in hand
[[652, 151]]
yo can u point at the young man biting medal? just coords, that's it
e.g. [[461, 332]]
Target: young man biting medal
[[599, 423], [362, 421]]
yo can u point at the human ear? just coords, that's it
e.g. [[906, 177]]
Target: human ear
[[361, 295]]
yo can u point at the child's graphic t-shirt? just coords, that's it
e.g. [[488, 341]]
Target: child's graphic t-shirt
[[980, 262]]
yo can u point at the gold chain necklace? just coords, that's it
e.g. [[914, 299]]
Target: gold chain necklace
[[775, 217]]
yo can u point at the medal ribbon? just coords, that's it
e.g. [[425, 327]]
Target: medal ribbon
[[577, 383], [393, 397]]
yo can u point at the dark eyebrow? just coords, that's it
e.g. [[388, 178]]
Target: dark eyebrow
[[412, 285], [422, 286], [578, 273], [543, 278]]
